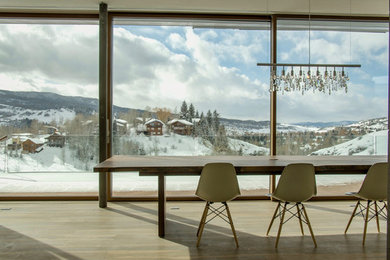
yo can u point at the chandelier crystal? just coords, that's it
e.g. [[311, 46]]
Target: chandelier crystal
[[326, 78]]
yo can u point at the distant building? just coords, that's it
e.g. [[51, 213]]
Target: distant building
[[180, 126], [56, 140], [154, 127], [120, 126], [17, 140], [32, 146], [51, 129]]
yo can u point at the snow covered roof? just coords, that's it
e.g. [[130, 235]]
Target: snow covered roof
[[184, 122], [21, 135], [87, 122], [50, 127], [121, 121], [154, 120], [54, 134], [35, 140]]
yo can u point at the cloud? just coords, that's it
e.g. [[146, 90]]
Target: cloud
[[147, 73], [211, 68], [353, 105], [65, 53], [335, 47]]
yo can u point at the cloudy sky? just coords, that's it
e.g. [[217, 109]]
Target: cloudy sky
[[212, 68]]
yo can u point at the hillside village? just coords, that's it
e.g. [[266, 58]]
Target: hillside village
[[159, 131]]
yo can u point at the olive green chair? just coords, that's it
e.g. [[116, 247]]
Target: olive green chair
[[296, 185], [374, 191], [217, 183]]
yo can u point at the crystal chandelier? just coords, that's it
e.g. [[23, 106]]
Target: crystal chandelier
[[326, 78]]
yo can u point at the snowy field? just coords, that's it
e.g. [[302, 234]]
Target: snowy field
[[130, 181], [58, 169]]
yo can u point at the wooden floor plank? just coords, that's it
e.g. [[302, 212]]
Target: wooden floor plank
[[128, 230]]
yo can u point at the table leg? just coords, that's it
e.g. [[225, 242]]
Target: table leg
[[102, 189], [161, 205]]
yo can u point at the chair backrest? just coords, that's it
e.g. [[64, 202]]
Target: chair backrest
[[297, 183], [218, 183], [374, 186]]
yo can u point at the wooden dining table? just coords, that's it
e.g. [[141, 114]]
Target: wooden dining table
[[163, 166]]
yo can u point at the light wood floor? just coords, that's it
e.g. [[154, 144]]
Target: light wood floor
[[128, 230]]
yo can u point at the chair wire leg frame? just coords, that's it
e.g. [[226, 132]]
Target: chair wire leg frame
[[216, 212], [364, 211], [280, 212]]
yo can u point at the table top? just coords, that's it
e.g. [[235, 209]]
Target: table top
[[244, 165]]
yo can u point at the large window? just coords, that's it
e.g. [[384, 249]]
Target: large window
[[180, 88], [341, 123], [48, 107], [189, 88]]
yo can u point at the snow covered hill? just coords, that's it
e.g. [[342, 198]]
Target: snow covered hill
[[16, 106], [369, 144], [55, 159], [16, 114], [181, 145]]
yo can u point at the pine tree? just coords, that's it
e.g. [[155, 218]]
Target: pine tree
[[184, 110], [191, 113], [197, 114], [216, 122], [202, 126], [221, 144], [209, 118]]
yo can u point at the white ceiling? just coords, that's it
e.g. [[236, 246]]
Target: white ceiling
[[323, 7]]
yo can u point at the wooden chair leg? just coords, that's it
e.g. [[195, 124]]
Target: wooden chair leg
[[273, 218], [299, 217], [366, 222], [280, 225], [309, 225], [202, 224], [377, 217], [353, 215], [204, 215], [231, 223]]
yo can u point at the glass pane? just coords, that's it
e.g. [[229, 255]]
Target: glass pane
[[48, 108], [352, 122], [189, 89]]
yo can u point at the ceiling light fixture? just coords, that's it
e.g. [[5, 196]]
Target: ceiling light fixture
[[326, 78]]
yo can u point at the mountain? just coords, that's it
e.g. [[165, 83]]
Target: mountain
[[17, 107], [45, 106], [325, 124], [236, 126], [240, 127]]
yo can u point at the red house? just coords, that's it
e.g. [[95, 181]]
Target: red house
[[180, 126], [154, 127], [32, 146], [56, 140]]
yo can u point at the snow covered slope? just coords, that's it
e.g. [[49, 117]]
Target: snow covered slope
[[369, 144]]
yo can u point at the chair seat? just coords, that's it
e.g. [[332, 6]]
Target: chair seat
[[296, 185], [374, 191], [217, 183]]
